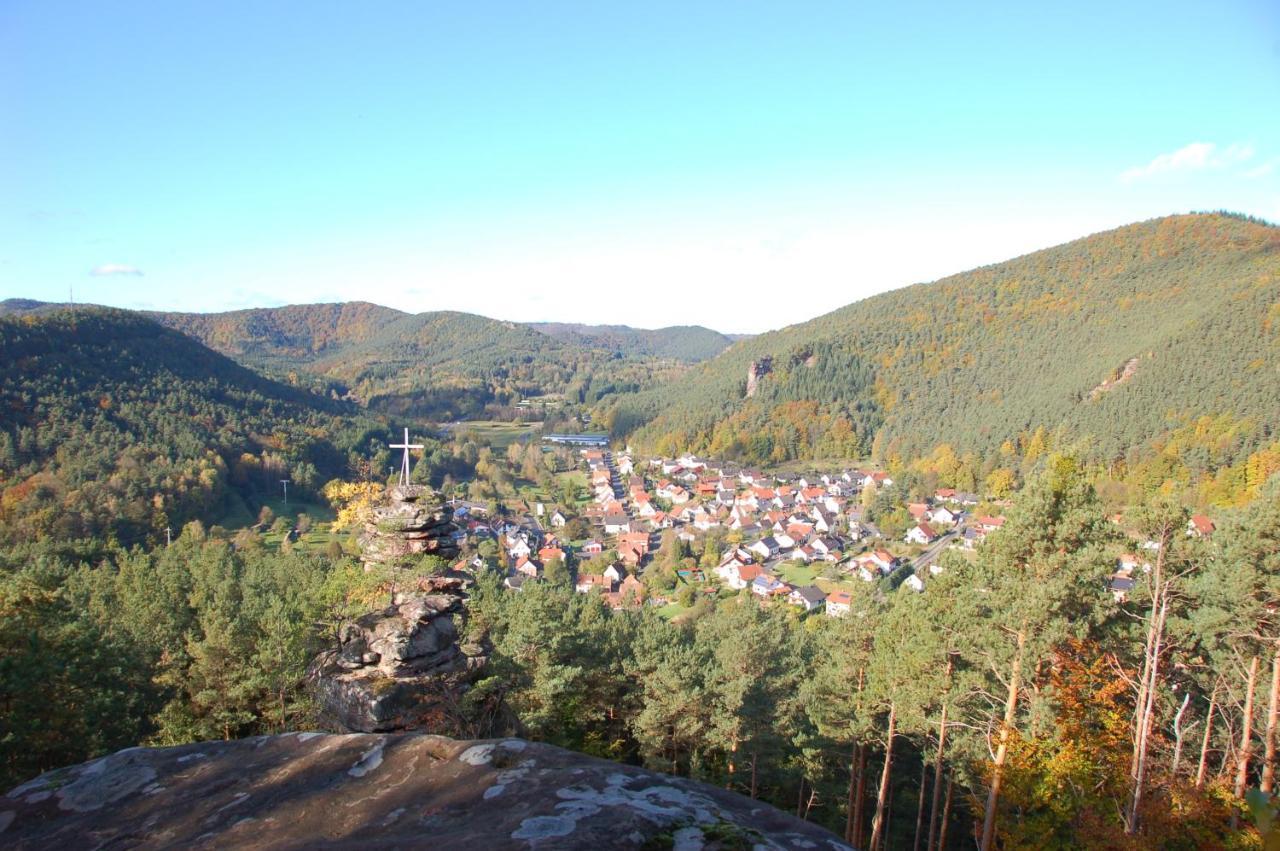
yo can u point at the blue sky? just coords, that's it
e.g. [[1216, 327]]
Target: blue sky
[[737, 165]]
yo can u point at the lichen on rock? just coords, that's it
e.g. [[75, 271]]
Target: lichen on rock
[[392, 791]]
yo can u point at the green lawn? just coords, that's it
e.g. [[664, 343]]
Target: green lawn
[[799, 573], [496, 433], [670, 610]]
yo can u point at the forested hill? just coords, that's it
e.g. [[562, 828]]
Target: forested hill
[[443, 364], [285, 336], [691, 343], [1120, 341], [112, 425]]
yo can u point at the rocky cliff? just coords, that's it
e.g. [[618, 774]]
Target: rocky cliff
[[312, 790], [412, 522], [404, 667]]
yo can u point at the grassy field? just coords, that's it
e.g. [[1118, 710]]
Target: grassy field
[[495, 433], [798, 573], [319, 536]]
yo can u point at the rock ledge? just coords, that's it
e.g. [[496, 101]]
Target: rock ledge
[[314, 790]]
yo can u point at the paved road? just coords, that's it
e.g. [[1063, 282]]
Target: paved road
[[935, 549]]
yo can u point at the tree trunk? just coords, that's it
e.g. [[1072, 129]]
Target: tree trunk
[[1203, 768], [946, 816], [1178, 734], [800, 798], [1147, 683], [1147, 713], [859, 815], [882, 797], [937, 778], [1269, 754], [1246, 734], [753, 775], [1002, 750], [853, 795], [924, 781]]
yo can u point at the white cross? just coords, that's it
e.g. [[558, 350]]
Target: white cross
[[406, 446]]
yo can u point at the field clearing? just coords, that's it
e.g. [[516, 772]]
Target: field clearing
[[497, 434]]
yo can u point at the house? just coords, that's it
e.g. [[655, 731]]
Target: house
[[631, 590], [823, 520], [943, 516], [989, 524], [634, 540], [515, 581], [917, 510], [915, 583], [616, 523], [558, 520], [881, 560], [766, 547], [1199, 526], [518, 548], [738, 556], [765, 585], [588, 582], [615, 573], [737, 576], [922, 533], [808, 596], [528, 567], [549, 553], [837, 603], [1121, 585], [944, 494], [592, 548], [971, 537]]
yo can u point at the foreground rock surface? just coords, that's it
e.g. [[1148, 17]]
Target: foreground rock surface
[[314, 790]]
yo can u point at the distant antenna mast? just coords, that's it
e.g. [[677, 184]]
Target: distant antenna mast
[[285, 483]]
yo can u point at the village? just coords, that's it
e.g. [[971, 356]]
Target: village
[[662, 532]]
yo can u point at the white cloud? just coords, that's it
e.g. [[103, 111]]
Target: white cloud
[[115, 269], [1197, 156], [1262, 170]]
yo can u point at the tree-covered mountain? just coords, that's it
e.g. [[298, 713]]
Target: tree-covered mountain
[[443, 364], [692, 343], [113, 425], [1160, 339]]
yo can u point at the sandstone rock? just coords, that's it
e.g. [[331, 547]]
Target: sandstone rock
[[312, 790], [401, 668], [413, 521]]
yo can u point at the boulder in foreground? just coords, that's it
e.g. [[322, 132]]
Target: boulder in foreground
[[314, 790]]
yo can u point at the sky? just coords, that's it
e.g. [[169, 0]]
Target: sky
[[738, 165]]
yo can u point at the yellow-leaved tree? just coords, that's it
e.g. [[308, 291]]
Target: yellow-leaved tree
[[352, 501]]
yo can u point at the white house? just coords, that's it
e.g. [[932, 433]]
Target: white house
[[837, 603], [921, 533]]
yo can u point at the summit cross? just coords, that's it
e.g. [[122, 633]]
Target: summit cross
[[406, 446]]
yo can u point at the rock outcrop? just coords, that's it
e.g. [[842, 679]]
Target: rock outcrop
[[756, 371], [410, 523], [402, 668], [312, 790]]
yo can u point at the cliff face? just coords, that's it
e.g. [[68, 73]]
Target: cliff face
[[311, 790], [412, 522], [402, 667]]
